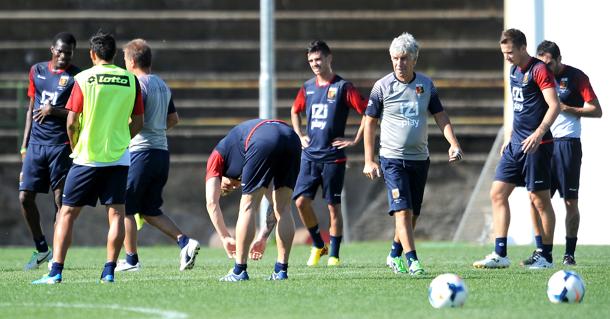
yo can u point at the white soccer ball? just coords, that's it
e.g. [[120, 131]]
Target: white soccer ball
[[565, 286], [447, 290]]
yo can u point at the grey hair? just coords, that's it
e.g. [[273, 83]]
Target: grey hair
[[405, 44]]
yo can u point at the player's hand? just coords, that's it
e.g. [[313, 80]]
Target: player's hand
[[371, 170], [531, 143], [455, 154], [22, 152], [257, 249], [229, 245], [304, 141], [342, 142], [40, 114]]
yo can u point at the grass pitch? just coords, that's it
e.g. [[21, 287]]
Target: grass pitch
[[362, 288]]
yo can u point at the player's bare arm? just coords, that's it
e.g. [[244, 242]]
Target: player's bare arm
[[589, 109], [444, 124], [531, 143], [172, 120], [212, 196], [27, 129], [343, 142], [136, 124], [73, 128], [371, 168], [295, 118]]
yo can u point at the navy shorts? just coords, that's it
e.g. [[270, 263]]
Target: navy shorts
[[530, 170], [313, 174], [274, 153], [44, 166], [147, 176], [86, 184], [405, 181], [565, 167]]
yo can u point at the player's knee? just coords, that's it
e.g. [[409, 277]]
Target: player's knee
[[302, 202]]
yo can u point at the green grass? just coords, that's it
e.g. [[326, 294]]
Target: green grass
[[362, 288]]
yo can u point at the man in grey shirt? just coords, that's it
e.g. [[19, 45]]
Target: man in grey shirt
[[402, 101], [150, 162]]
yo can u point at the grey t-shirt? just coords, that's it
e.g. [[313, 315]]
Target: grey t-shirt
[[157, 105], [403, 109]]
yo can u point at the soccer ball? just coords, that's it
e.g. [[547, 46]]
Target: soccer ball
[[565, 286], [447, 290]]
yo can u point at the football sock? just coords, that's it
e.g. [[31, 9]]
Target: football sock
[[571, 245], [316, 237], [41, 244], [547, 252], [183, 241], [280, 267], [132, 259], [56, 268], [396, 250], [108, 269], [238, 268], [501, 246], [538, 242], [335, 245], [411, 256]]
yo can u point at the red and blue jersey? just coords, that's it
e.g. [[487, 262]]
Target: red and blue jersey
[[529, 105], [53, 87], [327, 107], [228, 157]]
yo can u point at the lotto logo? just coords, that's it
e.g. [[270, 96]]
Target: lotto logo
[[112, 79]]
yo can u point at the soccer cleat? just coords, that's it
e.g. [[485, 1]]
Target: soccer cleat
[[123, 265], [333, 262], [108, 279], [46, 280], [492, 260], [569, 260], [231, 276], [416, 269], [282, 275], [188, 254], [316, 253], [540, 262], [38, 259], [530, 259], [397, 264]]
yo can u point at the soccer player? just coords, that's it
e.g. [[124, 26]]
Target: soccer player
[[577, 99], [46, 149], [103, 100], [149, 167], [402, 100], [526, 156], [326, 100], [254, 154]]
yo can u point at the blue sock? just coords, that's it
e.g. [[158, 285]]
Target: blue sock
[[538, 242], [501, 246], [238, 268], [396, 250], [547, 252], [56, 268], [316, 237], [571, 245], [335, 245], [132, 259], [411, 256], [183, 241], [108, 269], [41, 244], [280, 267]]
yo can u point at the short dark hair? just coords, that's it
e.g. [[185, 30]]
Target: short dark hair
[[548, 47], [140, 51], [103, 45], [318, 46], [66, 38], [515, 36]]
